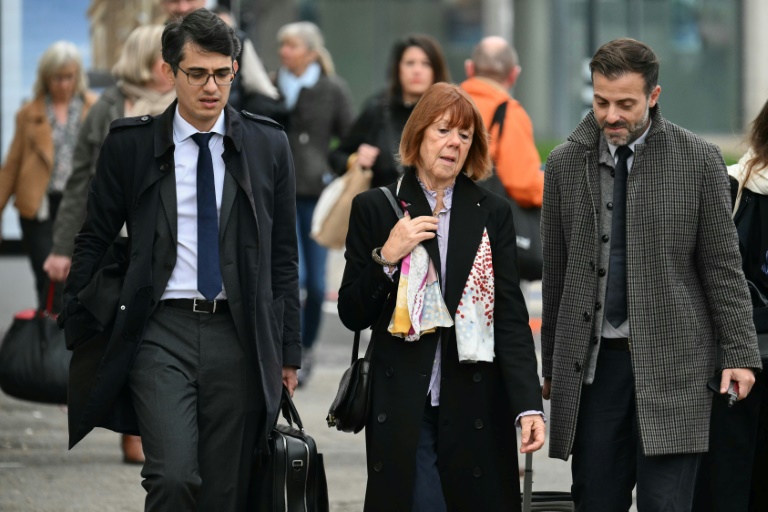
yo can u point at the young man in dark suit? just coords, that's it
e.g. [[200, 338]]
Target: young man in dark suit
[[205, 332], [642, 282]]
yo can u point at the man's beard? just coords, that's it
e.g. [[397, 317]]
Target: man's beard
[[634, 130]]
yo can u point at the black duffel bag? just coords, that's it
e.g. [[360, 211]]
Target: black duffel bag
[[34, 360]]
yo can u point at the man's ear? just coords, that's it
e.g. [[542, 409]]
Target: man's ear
[[168, 72], [235, 66], [654, 96], [514, 75], [469, 68]]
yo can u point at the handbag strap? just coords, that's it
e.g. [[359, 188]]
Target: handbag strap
[[392, 202], [49, 298]]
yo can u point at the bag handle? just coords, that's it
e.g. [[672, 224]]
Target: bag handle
[[48, 300], [288, 408]]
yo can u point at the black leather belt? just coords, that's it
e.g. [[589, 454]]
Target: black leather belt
[[615, 344], [198, 305]]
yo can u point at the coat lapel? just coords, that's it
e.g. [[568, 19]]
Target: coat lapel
[[416, 204], [168, 198], [236, 165], [227, 200], [468, 220]]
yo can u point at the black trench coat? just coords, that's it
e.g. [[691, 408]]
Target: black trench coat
[[477, 448], [105, 317]]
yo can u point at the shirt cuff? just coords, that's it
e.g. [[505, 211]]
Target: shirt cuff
[[529, 413], [390, 271]]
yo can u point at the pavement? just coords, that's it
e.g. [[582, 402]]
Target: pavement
[[38, 473]]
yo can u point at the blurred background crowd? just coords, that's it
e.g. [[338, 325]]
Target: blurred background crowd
[[713, 79]]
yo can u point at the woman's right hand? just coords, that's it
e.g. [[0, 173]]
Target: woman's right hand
[[406, 235], [366, 155]]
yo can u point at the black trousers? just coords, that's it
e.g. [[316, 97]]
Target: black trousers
[[195, 395], [607, 454], [37, 240], [734, 474]]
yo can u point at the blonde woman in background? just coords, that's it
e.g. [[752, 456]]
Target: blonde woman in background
[[142, 89], [319, 109], [39, 161]]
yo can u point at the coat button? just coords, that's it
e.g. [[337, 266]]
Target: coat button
[[587, 316], [577, 367], [477, 377], [477, 472], [601, 272], [145, 118], [594, 340], [390, 372], [606, 238], [382, 417], [613, 174], [122, 308], [479, 424], [609, 206], [378, 467], [163, 166], [598, 306]]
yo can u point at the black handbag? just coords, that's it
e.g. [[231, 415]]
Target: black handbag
[[349, 410], [293, 478], [34, 360], [530, 259]]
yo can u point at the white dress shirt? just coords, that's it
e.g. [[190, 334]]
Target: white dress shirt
[[183, 281]]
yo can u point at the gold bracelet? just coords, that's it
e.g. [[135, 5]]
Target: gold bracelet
[[376, 255]]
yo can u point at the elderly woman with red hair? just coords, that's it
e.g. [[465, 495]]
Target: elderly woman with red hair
[[453, 359]]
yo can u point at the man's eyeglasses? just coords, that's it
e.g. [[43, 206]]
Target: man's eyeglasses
[[223, 77]]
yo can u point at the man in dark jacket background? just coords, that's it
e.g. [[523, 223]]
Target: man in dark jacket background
[[205, 330]]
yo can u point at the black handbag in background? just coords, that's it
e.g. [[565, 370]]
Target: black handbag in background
[[530, 259], [349, 410], [292, 479], [34, 360]]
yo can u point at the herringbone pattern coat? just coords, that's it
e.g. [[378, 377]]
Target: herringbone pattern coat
[[685, 287]]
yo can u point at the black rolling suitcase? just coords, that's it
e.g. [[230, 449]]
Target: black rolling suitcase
[[542, 501], [293, 478]]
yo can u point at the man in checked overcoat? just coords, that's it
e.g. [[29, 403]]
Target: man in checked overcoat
[[643, 294]]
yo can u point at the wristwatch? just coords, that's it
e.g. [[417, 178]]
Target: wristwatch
[[376, 255]]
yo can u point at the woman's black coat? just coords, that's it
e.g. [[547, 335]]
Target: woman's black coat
[[477, 454]]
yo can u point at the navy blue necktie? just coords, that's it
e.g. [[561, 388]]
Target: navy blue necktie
[[616, 294], [208, 267]]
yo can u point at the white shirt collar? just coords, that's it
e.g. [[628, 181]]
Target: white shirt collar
[[182, 130], [640, 140]]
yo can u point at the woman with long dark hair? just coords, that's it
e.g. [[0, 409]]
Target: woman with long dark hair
[[416, 63]]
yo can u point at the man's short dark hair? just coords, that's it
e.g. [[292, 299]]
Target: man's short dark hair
[[625, 55], [202, 28]]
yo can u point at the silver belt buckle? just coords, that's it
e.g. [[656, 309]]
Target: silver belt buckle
[[202, 301]]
